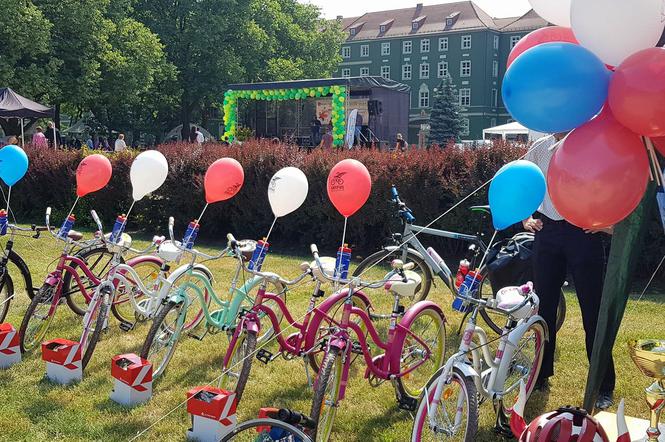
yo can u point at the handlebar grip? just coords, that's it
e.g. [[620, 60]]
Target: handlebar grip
[[393, 192], [314, 249], [48, 211], [409, 266], [171, 222], [230, 237]]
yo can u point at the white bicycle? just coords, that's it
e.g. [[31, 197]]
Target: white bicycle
[[448, 408]]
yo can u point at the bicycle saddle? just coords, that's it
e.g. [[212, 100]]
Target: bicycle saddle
[[405, 289], [168, 251], [328, 266], [74, 235], [511, 297]]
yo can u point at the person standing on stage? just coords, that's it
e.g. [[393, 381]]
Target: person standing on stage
[[559, 247]]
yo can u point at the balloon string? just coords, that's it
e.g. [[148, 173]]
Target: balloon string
[[73, 206], [339, 268], [124, 223], [269, 232], [9, 195], [660, 176]]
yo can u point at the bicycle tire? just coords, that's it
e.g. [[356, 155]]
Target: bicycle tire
[[6, 295], [421, 423], [243, 354], [330, 371], [71, 294], [18, 261], [157, 327], [43, 298], [250, 429], [118, 304], [102, 315]]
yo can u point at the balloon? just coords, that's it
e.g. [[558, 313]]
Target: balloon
[[223, 180], [637, 92], [516, 192], [599, 174], [148, 173], [554, 11], [13, 164], [615, 29], [548, 34], [287, 191], [555, 87], [93, 173], [349, 185]]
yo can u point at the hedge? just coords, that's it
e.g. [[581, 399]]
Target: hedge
[[429, 181]]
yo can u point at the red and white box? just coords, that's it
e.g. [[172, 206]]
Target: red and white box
[[63, 361], [133, 379], [213, 413], [10, 352]]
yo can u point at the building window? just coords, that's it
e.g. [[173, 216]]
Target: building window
[[514, 39], [406, 47], [352, 32], [424, 70], [346, 51], [406, 72], [414, 25], [346, 72], [492, 122], [382, 29], [465, 68], [424, 45], [364, 72], [443, 44], [495, 69], [495, 97], [364, 50], [423, 96], [442, 70], [465, 126], [465, 97], [466, 42], [385, 48], [385, 72], [496, 42]]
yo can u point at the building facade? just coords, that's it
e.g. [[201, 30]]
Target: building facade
[[419, 46]]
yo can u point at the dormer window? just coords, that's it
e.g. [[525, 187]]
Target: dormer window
[[452, 19], [414, 26], [417, 23], [355, 29], [449, 22], [385, 26], [352, 32]]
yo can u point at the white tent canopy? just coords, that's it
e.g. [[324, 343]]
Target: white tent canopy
[[511, 131]]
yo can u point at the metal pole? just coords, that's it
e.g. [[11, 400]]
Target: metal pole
[[55, 137], [22, 135]]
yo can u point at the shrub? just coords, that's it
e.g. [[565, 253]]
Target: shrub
[[431, 182]]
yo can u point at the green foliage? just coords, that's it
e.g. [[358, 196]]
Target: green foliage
[[445, 119]]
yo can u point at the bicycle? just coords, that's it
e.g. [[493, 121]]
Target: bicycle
[[277, 425], [58, 284], [168, 325], [411, 354], [408, 248], [449, 403]]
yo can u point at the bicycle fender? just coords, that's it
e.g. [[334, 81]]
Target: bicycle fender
[[514, 337], [414, 251], [184, 268], [416, 308], [144, 258], [467, 370]]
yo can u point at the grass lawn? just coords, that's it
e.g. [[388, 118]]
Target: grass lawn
[[33, 409]]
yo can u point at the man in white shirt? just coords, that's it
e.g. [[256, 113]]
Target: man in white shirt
[[120, 144], [199, 136], [561, 247]]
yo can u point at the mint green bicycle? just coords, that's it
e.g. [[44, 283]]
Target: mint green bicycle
[[169, 323]]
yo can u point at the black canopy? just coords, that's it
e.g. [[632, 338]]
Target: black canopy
[[13, 105], [352, 82]]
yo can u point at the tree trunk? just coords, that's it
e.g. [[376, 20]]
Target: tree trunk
[[185, 117]]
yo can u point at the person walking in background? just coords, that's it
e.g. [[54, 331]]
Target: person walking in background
[[38, 138], [315, 127], [53, 134], [400, 144], [560, 246], [120, 144], [198, 135], [89, 142], [326, 139]]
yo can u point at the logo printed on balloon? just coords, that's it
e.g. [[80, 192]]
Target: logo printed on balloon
[[349, 186], [337, 182]]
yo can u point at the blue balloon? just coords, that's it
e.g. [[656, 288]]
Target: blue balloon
[[516, 192], [13, 164], [555, 87]]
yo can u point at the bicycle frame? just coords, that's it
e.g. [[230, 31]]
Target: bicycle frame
[[55, 278]]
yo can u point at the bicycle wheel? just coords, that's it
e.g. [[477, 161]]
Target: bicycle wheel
[[195, 310], [456, 417], [162, 339], [98, 315], [122, 307], [266, 430], [526, 361], [377, 265], [236, 372], [6, 294], [326, 394], [98, 259], [430, 327], [37, 318]]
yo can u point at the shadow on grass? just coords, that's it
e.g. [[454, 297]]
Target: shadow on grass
[[392, 417]]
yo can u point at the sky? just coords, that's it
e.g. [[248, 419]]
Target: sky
[[353, 8]]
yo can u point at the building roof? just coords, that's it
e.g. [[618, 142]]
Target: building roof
[[466, 16], [351, 82]]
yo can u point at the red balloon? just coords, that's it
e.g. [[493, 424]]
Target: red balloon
[[599, 175], [223, 180], [349, 185], [548, 34], [93, 173], [637, 92]]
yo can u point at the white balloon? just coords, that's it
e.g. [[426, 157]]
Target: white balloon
[[554, 11], [287, 190], [616, 29], [148, 173]]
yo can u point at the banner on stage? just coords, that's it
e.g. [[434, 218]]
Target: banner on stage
[[324, 109]]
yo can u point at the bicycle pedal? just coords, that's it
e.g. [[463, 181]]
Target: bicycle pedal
[[264, 356], [126, 326], [407, 403]]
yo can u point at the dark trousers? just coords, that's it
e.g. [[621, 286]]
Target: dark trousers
[[560, 247]]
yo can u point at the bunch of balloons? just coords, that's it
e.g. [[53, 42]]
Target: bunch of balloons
[[231, 97], [601, 56]]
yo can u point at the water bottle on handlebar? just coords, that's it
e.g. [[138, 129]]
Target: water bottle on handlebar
[[190, 234], [468, 289], [118, 229], [259, 255], [343, 261], [3, 222], [66, 227]]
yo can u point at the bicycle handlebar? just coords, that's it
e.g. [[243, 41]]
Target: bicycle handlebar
[[403, 211], [192, 251], [526, 289]]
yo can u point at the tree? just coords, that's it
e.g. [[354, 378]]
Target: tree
[[445, 119]]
